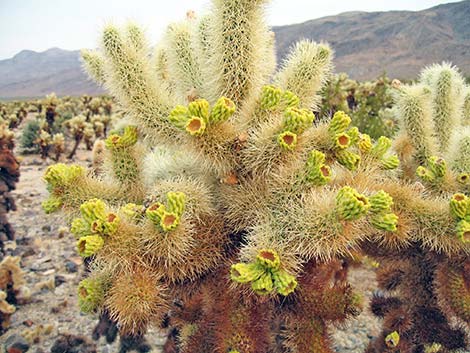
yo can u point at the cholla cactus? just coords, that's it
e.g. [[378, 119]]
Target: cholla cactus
[[58, 145], [227, 209], [78, 128]]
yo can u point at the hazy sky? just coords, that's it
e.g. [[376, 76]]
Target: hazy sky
[[74, 24]]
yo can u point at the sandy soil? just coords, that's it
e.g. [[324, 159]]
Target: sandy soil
[[48, 255]]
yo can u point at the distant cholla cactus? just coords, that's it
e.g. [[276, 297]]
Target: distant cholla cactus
[[426, 268], [227, 211]]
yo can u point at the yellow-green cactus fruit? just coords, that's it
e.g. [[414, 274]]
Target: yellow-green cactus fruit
[[464, 179], [381, 147], [353, 134], [89, 245], [297, 120], [287, 140], [269, 258], [284, 282], [389, 163], [342, 141], [339, 123], [92, 210], [348, 159], [80, 227], [289, 100], [437, 166], [222, 110], [179, 116], [52, 204], [245, 273], [365, 143], [169, 221], [199, 108], [351, 205], [317, 172], [392, 339], [463, 231], [425, 174], [90, 294], [460, 206], [195, 126], [386, 221], [176, 202], [270, 97], [62, 174], [263, 285], [111, 223], [129, 138]]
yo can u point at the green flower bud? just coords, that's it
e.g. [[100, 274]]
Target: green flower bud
[[392, 339], [176, 201], [287, 140], [339, 123], [263, 285], [353, 134], [387, 222], [89, 245], [365, 143], [460, 206], [195, 126], [269, 258], [297, 120], [52, 204], [199, 108], [270, 97], [348, 159], [463, 231], [289, 100], [179, 116], [245, 273], [284, 282], [350, 205], [90, 294], [342, 141], [380, 202], [381, 147], [390, 163], [223, 109]]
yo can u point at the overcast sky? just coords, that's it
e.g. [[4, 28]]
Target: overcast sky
[[74, 24]]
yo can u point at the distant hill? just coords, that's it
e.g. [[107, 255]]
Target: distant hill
[[398, 42], [365, 44], [30, 74]]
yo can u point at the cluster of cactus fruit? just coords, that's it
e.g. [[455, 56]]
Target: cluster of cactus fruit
[[226, 213]]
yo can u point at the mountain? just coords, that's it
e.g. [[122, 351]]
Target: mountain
[[31, 74], [366, 44], [398, 42]]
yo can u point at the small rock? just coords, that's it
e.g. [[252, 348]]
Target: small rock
[[46, 228], [71, 267], [16, 344], [28, 323], [59, 280]]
